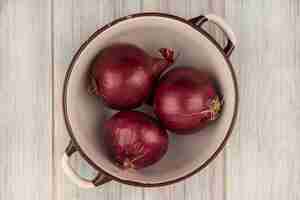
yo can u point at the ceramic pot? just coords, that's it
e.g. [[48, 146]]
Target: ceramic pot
[[84, 115]]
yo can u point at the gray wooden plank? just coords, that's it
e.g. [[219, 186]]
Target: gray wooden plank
[[262, 158], [208, 184], [125, 8], [175, 191], [25, 100], [74, 22]]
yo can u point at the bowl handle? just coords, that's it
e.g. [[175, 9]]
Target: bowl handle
[[231, 38], [74, 177]]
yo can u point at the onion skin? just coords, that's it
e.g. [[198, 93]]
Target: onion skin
[[123, 74], [135, 140], [187, 100]]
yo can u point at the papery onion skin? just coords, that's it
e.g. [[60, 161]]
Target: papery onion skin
[[135, 140], [186, 100], [123, 74]]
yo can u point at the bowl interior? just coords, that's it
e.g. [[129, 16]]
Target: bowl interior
[[87, 113]]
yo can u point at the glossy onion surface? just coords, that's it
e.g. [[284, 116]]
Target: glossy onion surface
[[123, 74], [135, 140], [186, 99]]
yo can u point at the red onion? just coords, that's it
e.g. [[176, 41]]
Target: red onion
[[123, 74], [135, 140], [186, 99]]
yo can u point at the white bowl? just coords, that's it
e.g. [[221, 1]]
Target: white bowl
[[85, 114]]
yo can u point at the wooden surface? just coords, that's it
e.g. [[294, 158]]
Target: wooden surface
[[37, 41], [25, 100]]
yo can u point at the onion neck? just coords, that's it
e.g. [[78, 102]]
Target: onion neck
[[215, 107], [127, 164], [161, 64]]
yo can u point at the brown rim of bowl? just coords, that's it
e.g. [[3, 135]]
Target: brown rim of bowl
[[92, 37]]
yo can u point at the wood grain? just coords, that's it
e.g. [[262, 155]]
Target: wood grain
[[38, 40], [25, 100], [262, 160], [74, 22], [208, 184]]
